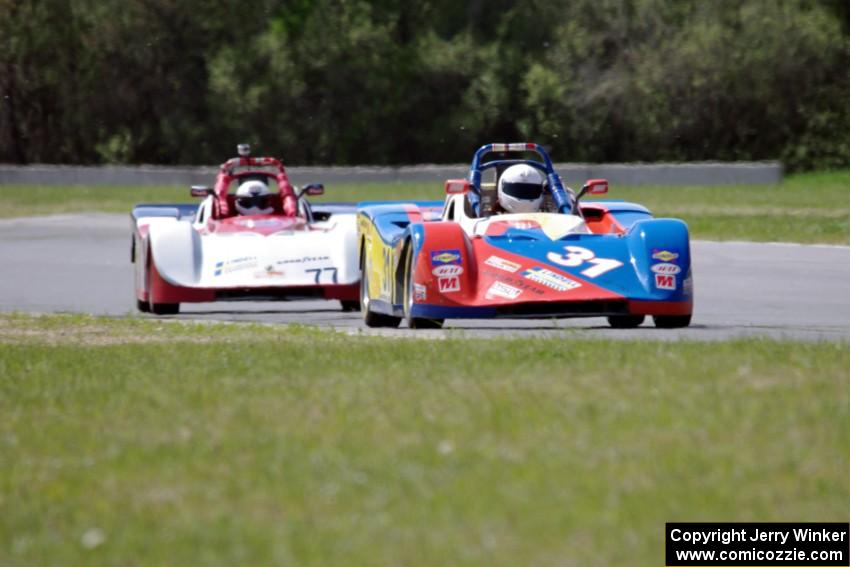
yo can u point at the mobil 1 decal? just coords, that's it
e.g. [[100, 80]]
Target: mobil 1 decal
[[449, 284], [665, 281]]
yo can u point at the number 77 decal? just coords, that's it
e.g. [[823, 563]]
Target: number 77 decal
[[576, 256], [318, 272]]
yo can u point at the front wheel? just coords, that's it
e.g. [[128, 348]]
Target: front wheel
[[165, 308], [414, 322], [671, 321], [371, 318], [153, 306], [350, 305]]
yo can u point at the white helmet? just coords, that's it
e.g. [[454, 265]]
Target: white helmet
[[252, 198], [521, 189]]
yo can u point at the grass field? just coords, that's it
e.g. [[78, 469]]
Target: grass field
[[812, 207], [138, 442]]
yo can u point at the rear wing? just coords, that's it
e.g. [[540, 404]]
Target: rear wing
[[179, 211]]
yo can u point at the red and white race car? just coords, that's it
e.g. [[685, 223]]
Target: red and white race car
[[252, 238]]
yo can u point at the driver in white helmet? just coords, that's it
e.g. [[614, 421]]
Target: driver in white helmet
[[253, 198], [521, 189]]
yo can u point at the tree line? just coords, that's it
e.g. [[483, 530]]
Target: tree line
[[395, 82]]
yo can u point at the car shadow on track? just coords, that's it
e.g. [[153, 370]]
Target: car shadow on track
[[646, 328]]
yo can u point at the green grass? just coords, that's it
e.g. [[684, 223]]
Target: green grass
[[143, 442], [808, 208], [25, 200]]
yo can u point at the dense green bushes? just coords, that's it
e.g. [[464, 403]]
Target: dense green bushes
[[391, 81]]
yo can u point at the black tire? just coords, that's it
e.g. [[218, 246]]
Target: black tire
[[625, 321], [142, 306], [671, 321], [369, 317], [350, 305], [158, 308], [165, 308], [414, 322]]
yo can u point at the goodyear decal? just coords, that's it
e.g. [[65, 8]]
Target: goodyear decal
[[514, 281], [303, 260], [445, 257], [550, 279]]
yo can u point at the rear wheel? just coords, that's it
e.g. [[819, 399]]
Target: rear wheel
[[671, 321], [350, 305], [414, 322], [369, 317], [625, 321]]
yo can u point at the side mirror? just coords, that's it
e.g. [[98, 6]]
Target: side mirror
[[595, 187], [457, 186], [312, 190], [200, 190]]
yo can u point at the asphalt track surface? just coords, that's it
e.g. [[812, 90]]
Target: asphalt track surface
[[81, 264]]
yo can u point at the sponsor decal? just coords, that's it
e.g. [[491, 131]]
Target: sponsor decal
[[449, 285], [666, 268], [665, 255], [419, 292], [447, 270], [502, 264], [514, 281], [268, 272], [442, 257], [524, 224], [499, 289], [302, 260], [235, 265], [550, 279], [665, 281]]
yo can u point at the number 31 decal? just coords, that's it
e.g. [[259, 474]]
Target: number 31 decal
[[576, 256]]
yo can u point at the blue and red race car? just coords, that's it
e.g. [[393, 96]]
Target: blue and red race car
[[465, 258]]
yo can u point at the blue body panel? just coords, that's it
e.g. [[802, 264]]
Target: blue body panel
[[391, 218], [642, 266]]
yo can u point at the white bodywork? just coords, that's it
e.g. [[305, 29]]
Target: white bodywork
[[187, 255], [554, 225]]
